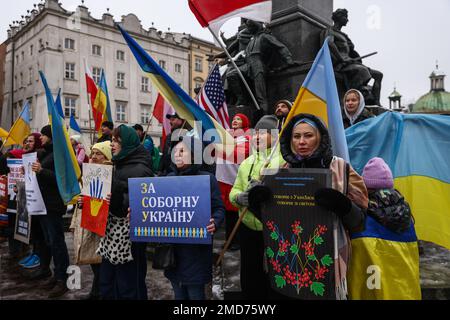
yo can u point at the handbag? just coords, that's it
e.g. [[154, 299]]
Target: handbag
[[164, 257]]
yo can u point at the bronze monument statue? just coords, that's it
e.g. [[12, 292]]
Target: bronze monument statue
[[262, 53], [348, 63]]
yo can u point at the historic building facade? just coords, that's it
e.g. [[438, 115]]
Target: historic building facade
[[62, 43]]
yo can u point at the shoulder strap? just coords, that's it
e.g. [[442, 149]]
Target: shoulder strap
[[347, 178]]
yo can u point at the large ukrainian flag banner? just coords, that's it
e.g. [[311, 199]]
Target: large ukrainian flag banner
[[102, 104], [417, 149], [318, 96], [66, 165], [183, 104]]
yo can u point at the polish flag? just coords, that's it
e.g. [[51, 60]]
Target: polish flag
[[214, 13], [163, 108]]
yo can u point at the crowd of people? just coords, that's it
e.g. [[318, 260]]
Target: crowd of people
[[120, 265]]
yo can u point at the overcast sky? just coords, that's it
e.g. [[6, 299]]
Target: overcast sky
[[409, 35]]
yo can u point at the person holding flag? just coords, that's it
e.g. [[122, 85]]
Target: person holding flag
[[52, 224]]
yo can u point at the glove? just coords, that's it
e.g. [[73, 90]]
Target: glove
[[332, 200], [257, 197], [242, 199], [254, 183]]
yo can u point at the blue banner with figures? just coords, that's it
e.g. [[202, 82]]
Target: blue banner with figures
[[170, 209]]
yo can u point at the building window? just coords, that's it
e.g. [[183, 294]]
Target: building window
[[120, 55], [70, 105], [120, 80], [22, 84], [69, 44], [199, 64], [162, 64], [96, 50], [17, 59], [96, 74], [70, 71], [145, 84], [211, 65], [145, 114], [178, 68], [23, 56], [121, 112], [30, 76], [198, 84], [30, 103], [31, 50]]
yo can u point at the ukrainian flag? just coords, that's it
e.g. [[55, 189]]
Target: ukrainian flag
[[66, 166], [318, 96], [384, 265], [417, 149], [21, 128], [183, 104], [102, 104], [74, 127]]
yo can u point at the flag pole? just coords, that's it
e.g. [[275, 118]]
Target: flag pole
[[148, 128], [237, 69], [90, 108]]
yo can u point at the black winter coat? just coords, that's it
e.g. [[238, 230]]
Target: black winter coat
[[47, 182], [136, 165], [194, 261]]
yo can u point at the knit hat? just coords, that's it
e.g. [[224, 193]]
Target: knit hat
[[47, 131], [267, 123], [105, 148], [286, 102], [377, 175], [76, 137], [245, 121]]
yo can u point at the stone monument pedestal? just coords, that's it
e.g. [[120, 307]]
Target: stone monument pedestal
[[297, 24]]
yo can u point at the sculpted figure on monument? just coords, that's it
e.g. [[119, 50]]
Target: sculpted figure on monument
[[262, 53], [348, 62]]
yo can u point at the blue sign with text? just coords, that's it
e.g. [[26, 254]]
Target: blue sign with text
[[170, 209]]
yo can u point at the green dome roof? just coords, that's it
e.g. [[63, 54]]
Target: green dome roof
[[433, 102]]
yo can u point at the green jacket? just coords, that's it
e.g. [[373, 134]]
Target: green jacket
[[242, 182]]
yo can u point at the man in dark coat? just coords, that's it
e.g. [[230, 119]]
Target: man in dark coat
[[107, 129]]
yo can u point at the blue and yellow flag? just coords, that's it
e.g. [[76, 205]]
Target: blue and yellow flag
[[319, 96], [384, 265], [101, 103], [21, 128], [183, 104], [417, 149], [66, 165]]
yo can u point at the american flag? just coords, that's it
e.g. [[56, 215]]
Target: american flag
[[212, 98]]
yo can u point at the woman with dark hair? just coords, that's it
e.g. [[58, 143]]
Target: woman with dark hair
[[124, 264], [305, 143]]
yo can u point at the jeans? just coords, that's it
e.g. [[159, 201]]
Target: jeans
[[53, 228], [189, 292], [125, 281]]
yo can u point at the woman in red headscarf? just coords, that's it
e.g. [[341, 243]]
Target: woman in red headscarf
[[226, 171]]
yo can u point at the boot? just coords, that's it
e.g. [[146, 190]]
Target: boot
[[58, 290], [40, 274]]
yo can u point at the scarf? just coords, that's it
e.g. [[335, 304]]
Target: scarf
[[130, 142]]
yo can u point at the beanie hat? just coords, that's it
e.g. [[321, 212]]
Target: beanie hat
[[47, 131], [267, 123], [377, 175], [286, 102], [105, 148], [76, 137], [245, 121]]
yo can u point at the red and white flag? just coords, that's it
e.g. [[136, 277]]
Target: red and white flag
[[214, 13], [161, 110]]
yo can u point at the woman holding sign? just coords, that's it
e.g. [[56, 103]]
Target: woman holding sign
[[305, 143], [124, 265], [193, 268]]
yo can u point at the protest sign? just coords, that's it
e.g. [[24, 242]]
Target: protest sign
[[3, 202], [96, 186], [22, 230], [14, 175], [298, 235], [35, 203], [170, 209]]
